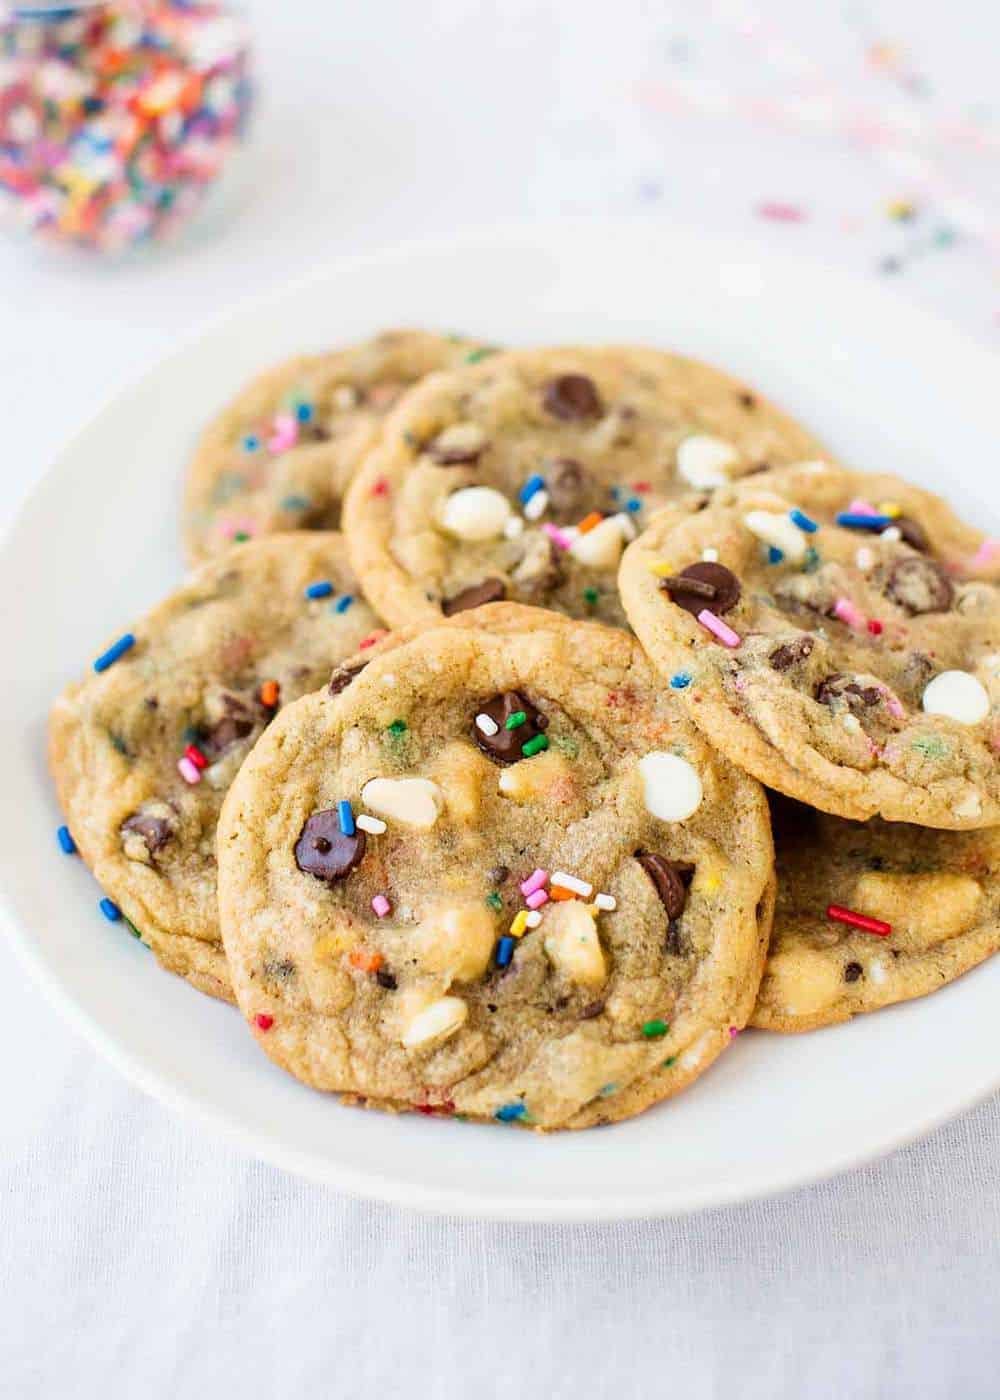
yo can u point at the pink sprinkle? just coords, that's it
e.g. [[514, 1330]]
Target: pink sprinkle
[[733, 1032], [859, 506], [536, 900], [556, 535], [781, 213], [188, 771], [892, 703], [534, 882], [285, 433], [719, 629], [985, 554], [847, 612], [230, 528], [381, 905]]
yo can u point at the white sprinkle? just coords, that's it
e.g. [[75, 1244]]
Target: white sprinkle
[[606, 902], [865, 559], [345, 397], [852, 724], [958, 695], [532, 919], [893, 533], [672, 789], [571, 882], [487, 726], [705, 462], [626, 524], [374, 825], [710, 556], [970, 806], [514, 527], [389, 679], [537, 505], [876, 972]]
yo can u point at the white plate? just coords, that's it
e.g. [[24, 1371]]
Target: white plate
[[888, 387]]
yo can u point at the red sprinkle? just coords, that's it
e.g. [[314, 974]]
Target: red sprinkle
[[371, 640], [848, 916], [641, 488], [874, 627], [264, 1021], [196, 756], [381, 487]]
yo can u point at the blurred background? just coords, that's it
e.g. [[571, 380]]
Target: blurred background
[[861, 132]]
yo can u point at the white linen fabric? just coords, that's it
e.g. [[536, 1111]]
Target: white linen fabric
[[139, 1256]]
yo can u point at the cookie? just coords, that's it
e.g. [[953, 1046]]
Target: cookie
[[522, 477], [143, 751], [496, 874], [279, 457], [837, 634], [930, 900]]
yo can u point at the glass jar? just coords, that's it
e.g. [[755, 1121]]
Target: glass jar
[[118, 117]]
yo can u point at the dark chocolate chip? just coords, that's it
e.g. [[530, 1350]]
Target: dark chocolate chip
[[456, 456], [498, 874], [278, 970], [505, 745], [912, 532], [592, 1009], [224, 735], [748, 400], [703, 585], [573, 396], [155, 830], [791, 653], [920, 586], [668, 881], [491, 590], [840, 687], [324, 851], [386, 980], [852, 971], [343, 676], [565, 481]]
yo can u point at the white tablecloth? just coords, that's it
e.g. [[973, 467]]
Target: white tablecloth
[[139, 1257]]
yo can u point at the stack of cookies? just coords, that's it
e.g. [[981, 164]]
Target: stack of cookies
[[465, 807]]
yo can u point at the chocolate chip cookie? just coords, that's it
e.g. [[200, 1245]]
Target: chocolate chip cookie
[[495, 874], [872, 913], [523, 477], [143, 750], [837, 634], [279, 457]]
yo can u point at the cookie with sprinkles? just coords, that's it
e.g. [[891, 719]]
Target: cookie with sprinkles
[[498, 874], [524, 476], [872, 913], [837, 634], [279, 457], [143, 750]]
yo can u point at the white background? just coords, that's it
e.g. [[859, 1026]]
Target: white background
[[138, 1257]]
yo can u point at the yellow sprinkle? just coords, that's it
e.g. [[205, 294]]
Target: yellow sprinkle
[[708, 882], [520, 923], [901, 209], [333, 944], [661, 568], [891, 508]]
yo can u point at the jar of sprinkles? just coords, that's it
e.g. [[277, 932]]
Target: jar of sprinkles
[[118, 116]]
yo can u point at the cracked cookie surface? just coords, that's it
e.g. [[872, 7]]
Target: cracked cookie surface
[[497, 874], [142, 754], [280, 455], [523, 477], [938, 892], [852, 665]]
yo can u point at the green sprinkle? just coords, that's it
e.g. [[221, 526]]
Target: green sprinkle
[[671, 1061], [494, 901], [607, 1090], [397, 727], [591, 596], [118, 743], [811, 562], [133, 930], [535, 745], [411, 439], [655, 1030], [515, 720], [474, 356], [930, 746], [566, 744], [241, 536]]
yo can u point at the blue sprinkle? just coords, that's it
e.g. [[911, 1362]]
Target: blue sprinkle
[[606, 1090], [65, 840], [863, 522], [109, 657], [295, 503], [633, 505], [510, 1112], [774, 554], [110, 910], [342, 604], [319, 590], [505, 950], [799, 518], [345, 816], [616, 492], [251, 442], [304, 412], [811, 562], [533, 484], [682, 679]]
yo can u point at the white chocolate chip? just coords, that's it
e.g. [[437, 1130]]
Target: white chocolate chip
[[455, 940], [436, 1022], [513, 527], [415, 802], [958, 695], [601, 547], [536, 505], [672, 789], [345, 397], [626, 524], [705, 462], [971, 805], [572, 945], [475, 513], [851, 723], [460, 437], [779, 531]]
